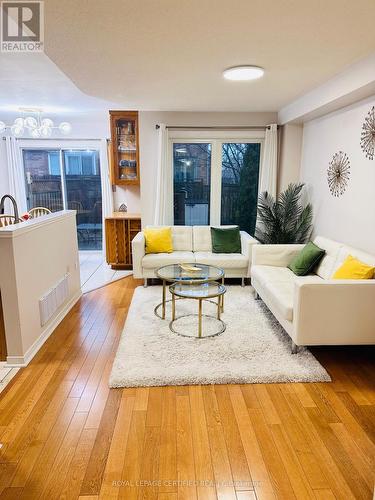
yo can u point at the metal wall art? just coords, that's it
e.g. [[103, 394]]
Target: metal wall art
[[368, 135], [338, 173]]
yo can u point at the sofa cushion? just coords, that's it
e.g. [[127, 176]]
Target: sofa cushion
[[327, 265], [182, 237], [202, 238], [282, 295], [158, 240], [345, 251], [306, 260], [354, 269], [271, 273], [224, 260], [226, 240], [155, 260]]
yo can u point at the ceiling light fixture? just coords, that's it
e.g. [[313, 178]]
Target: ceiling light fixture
[[36, 126], [243, 73]]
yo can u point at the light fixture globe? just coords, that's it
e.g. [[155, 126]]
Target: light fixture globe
[[19, 122], [45, 131], [65, 127], [243, 73], [46, 122], [16, 130], [31, 122]]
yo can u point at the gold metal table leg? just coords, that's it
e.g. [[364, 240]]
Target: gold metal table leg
[[218, 307], [164, 292], [173, 307], [200, 319], [222, 297]]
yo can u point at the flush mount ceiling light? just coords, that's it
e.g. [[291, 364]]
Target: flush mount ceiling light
[[243, 73]]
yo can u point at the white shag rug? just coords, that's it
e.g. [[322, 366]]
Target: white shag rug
[[253, 349]]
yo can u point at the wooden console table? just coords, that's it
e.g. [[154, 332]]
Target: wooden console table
[[120, 229]]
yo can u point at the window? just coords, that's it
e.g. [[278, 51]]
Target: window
[[215, 179], [192, 175], [61, 179], [239, 184]]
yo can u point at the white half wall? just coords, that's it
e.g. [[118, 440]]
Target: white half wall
[[35, 255], [349, 218]]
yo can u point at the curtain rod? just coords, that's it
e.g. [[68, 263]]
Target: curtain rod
[[222, 127]]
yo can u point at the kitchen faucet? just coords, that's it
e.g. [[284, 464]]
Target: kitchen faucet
[[14, 203]]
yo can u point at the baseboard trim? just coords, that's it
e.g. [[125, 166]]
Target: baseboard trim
[[19, 361]]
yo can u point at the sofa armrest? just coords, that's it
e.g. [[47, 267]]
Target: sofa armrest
[[138, 252], [334, 312], [247, 243], [274, 255]]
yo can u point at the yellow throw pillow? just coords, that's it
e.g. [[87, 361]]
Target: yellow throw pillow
[[158, 240], [354, 269]]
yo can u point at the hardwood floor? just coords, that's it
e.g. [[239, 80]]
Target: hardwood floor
[[65, 434]]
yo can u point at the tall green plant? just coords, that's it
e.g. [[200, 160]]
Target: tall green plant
[[284, 220]]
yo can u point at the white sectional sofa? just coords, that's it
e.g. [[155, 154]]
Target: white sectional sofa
[[193, 244], [315, 309]]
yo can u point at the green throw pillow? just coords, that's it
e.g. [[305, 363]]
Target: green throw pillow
[[226, 240], [309, 257]]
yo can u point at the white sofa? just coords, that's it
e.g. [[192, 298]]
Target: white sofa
[[315, 309], [192, 244]]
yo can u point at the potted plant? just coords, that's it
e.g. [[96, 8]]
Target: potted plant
[[284, 219]]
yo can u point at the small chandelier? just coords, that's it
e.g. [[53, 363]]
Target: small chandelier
[[36, 126]]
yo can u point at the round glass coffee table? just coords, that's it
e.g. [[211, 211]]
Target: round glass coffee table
[[174, 273], [200, 292]]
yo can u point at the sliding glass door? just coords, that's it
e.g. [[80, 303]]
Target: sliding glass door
[[60, 179], [215, 181]]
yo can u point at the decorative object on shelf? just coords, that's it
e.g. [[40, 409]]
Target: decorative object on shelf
[[123, 207], [338, 173], [34, 124], [124, 147], [368, 135], [284, 219]]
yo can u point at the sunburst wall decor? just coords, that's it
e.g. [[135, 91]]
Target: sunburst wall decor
[[368, 135], [338, 173]]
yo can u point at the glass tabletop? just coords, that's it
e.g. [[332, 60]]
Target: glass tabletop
[[190, 273], [197, 291]]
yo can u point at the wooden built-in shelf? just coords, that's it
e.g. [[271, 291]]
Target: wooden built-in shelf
[[120, 229], [124, 151]]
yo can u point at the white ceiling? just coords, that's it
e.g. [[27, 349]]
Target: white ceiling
[[34, 81], [169, 54]]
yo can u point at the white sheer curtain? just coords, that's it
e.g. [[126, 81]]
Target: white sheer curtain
[[268, 174], [16, 174], [107, 195], [164, 188]]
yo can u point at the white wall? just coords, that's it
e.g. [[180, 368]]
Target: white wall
[[351, 217], [289, 155], [149, 142]]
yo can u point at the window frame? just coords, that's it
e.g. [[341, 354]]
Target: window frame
[[216, 138]]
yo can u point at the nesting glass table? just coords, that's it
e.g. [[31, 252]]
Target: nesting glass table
[[204, 283]]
